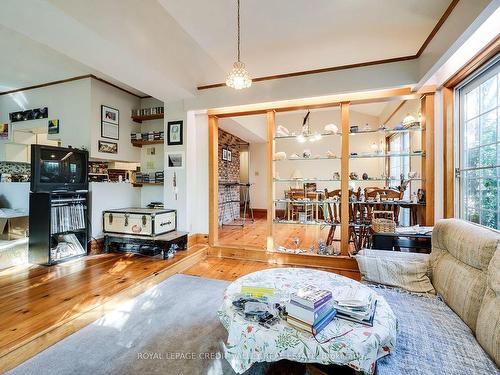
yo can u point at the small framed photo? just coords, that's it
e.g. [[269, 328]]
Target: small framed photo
[[174, 133], [110, 115], [224, 154], [53, 127], [109, 130], [175, 160], [108, 147], [4, 132], [229, 155]]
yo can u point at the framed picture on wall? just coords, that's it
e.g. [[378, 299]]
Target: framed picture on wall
[[175, 160], [110, 131], [110, 115], [108, 147], [174, 133], [229, 155], [53, 126], [4, 132], [224, 154]]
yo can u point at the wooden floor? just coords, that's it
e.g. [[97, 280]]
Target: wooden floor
[[40, 305], [231, 269], [255, 234]]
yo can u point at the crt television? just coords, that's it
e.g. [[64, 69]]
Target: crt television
[[58, 168]]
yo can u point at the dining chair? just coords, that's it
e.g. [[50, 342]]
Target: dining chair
[[334, 218], [295, 208], [385, 195]]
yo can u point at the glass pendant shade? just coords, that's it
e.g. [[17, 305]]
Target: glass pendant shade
[[408, 120], [238, 78]]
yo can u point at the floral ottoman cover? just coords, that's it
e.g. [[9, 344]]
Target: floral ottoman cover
[[355, 345]]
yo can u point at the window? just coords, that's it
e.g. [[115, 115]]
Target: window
[[400, 165], [478, 172]]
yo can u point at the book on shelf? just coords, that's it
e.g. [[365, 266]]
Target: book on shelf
[[306, 315], [311, 297], [317, 327]]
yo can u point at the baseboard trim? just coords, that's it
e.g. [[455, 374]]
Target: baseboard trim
[[197, 239]]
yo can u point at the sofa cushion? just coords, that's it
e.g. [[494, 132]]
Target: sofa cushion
[[404, 270], [461, 252], [488, 320], [431, 339]]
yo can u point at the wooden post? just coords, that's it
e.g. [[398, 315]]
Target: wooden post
[[213, 180], [271, 117], [448, 154], [427, 109], [344, 179]]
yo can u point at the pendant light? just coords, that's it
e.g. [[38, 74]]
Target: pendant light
[[238, 78]]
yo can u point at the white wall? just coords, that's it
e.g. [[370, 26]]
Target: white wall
[[108, 195], [174, 111], [69, 102], [197, 172], [104, 94], [257, 156]]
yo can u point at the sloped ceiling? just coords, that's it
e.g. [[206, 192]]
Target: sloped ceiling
[[166, 48]]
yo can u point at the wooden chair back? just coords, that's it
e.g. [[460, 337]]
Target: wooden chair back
[[296, 194], [385, 194], [310, 187]]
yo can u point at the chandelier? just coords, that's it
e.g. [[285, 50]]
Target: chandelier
[[238, 78]]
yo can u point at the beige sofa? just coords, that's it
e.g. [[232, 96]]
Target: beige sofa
[[466, 273], [449, 333]]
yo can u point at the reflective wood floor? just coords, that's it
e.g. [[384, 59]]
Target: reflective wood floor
[[40, 305], [231, 269]]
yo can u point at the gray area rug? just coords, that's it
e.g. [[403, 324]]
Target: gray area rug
[[171, 328]]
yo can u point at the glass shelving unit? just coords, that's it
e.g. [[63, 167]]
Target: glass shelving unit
[[309, 159], [386, 155], [389, 131], [296, 136]]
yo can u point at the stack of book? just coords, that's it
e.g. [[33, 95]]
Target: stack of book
[[355, 304], [310, 309]]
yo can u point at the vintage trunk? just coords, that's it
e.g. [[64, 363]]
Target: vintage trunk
[[139, 221]]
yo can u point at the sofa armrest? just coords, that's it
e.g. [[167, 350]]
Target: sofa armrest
[[409, 271]]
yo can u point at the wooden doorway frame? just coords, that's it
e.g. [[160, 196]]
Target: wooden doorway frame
[[270, 109]]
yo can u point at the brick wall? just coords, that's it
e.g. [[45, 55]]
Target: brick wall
[[229, 171]]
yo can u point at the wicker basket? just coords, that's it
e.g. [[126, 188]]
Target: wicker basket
[[383, 224]]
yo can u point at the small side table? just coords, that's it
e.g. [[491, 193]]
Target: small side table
[[388, 241], [163, 241]]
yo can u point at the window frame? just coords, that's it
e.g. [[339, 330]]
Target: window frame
[[472, 82]]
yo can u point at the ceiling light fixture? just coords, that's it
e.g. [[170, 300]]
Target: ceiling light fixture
[[408, 120], [238, 78]]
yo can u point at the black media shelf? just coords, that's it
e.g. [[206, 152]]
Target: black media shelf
[[58, 223]]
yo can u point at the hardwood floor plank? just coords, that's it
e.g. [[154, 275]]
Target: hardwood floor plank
[[74, 290], [232, 269]]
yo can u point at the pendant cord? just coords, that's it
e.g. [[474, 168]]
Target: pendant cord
[[238, 30]]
